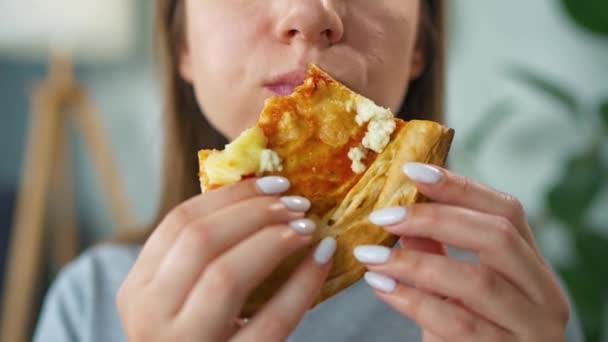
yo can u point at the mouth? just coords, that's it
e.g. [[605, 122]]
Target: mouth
[[285, 84]]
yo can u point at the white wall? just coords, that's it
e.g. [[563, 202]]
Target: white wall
[[130, 105], [486, 38], [129, 100]]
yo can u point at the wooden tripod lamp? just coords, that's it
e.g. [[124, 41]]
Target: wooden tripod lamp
[[45, 222]]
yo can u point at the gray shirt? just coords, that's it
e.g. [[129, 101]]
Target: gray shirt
[[80, 306]]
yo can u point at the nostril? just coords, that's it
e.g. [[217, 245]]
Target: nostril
[[292, 33]]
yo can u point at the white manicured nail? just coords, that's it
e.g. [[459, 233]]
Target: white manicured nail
[[296, 203], [422, 173], [325, 250], [303, 226], [372, 254], [388, 216], [380, 282], [273, 185]]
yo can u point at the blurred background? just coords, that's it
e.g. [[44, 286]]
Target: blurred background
[[527, 95]]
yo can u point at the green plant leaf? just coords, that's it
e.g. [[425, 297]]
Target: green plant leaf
[[587, 280], [603, 112], [549, 88], [592, 15], [579, 185], [588, 298], [592, 250]]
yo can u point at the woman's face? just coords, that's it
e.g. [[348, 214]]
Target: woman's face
[[240, 52]]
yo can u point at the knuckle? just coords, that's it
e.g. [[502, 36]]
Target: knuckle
[[465, 326], [416, 265], [272, 207], [416, 304], [514, 208], [427, 273], [250, 185], [269, 207], [425, 214], [273, 325], [484, 281], [463, 184], [179, 216], [221, 280], [198, 233], [505, 234]]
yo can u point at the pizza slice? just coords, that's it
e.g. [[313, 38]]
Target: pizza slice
[[342, 152]]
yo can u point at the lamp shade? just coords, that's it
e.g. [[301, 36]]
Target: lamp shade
[[89, 30]]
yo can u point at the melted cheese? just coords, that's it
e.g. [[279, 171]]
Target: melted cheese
[[246, 155]]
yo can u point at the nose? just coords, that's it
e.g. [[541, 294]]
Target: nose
[[313, 21]]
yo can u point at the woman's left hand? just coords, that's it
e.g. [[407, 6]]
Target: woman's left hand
[[510, 295]]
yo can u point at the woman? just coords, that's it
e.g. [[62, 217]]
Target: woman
[[207, 252]]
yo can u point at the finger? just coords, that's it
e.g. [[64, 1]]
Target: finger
[[206, 238], [439, 317], [199, 206], [444, 186], [280, 316], [428, 337], [228, 280], [494, 238], [422, 245], [500, 301]]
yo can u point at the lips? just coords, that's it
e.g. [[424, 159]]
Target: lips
[[282, 89], [285, 84]]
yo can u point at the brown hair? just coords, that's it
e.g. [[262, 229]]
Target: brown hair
[[186, 130]]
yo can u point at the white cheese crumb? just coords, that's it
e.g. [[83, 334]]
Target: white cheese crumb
[[367, 111], [381, 124], [378, 134], [270, 161], [357, 154]]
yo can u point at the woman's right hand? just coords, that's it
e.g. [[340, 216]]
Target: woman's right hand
[[197, 269]]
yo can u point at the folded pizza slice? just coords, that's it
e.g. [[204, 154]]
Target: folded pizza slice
[[342, 152]]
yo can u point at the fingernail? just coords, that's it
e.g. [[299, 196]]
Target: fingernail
[[372, 254], [422, 173], [296, 203], [325, 250], [303, 226], [380, 282], [272, 185], [388, 216]]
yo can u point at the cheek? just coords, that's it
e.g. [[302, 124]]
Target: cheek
[[219, 42], [386, 36], [220, 39]]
